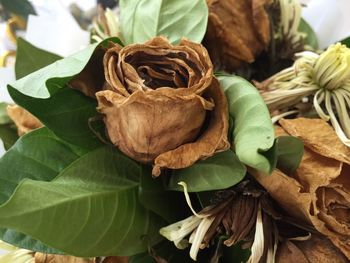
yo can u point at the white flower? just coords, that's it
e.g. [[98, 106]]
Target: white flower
[[326, 77], [15, 255]]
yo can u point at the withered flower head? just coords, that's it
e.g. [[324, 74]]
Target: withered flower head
[[243, 214], [238, 31], [162, 104], [319, 192], [323, 79]]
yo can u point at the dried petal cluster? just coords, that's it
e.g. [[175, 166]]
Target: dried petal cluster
[[243, 214], [162, 104], [324, 79], [238, 31], [319, 192]]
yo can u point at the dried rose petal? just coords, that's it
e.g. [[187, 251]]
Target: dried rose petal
[[163, 104], [319, 192], [315, 250], [238, 31], [24, 121]]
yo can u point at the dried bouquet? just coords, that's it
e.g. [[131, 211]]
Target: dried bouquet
[[153, 145]]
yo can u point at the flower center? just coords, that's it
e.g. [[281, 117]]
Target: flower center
[[171, 69], [332, 68]]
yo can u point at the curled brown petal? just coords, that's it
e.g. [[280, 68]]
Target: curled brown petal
[[213, 139], [318, 136], [237, 32]]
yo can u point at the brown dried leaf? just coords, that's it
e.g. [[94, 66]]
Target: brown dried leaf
[[51, 258], [280, 132], [315, 250], [238, 30], [318, 136], [318, 194], [288, 252], [155, 89], [24, 120]]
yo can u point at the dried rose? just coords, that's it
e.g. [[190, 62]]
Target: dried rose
[[161, 103], [319, 192], [24, 121], [238, 31]]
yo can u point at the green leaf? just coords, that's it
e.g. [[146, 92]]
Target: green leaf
[[167, 251], [22, 8], [38, 155], [221, 171], [154, 197], [236, 254], [30, 58], [48, 80], [311, 38], [25, 241], [253, 132], [290, 152], [8, 135], [142, 20], [46, 94], [8, 131], [66, 113], [346, 42], [4, 118], [90, 209]]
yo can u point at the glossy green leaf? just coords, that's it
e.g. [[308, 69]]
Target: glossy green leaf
[[235, 254], [8, 135], [165, 250], [253, 132], [38, 155], [24, 241], [22, 8], [221, 171], [8, 131], [67, 113], [4, 118], [153, 196], [48, 80], [46, 94], [142, 20], [311, 38], [290, 152], [30, 58], [346, 42], [90, 209]]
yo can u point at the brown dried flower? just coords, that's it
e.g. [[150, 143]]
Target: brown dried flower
[[161, 103], [319, 192], [243, 214], [24, 120], [238, 31]]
